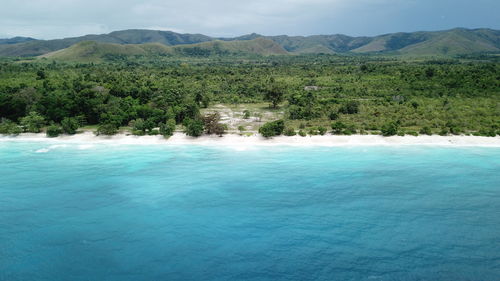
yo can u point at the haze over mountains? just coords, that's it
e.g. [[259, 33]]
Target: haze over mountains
[[142, 42]]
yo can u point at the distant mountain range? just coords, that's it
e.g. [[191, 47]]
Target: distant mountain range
[[141, 42], [92, 51]]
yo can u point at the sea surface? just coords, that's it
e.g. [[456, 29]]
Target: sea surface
[[163, 212]]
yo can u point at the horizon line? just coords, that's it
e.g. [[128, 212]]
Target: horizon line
[[253, 33]]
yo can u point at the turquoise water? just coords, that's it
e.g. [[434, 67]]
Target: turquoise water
[[103, 212]]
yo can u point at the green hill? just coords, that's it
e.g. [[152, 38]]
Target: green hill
[[442, 43], [133, 36], [323, 43], [258, 46], [91, 51], [96, 51], [455, 42], [450, 42], [15, 40]]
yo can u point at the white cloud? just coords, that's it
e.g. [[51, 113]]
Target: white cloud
[[62, 18]]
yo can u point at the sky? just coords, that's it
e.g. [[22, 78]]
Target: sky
[[50, 19]]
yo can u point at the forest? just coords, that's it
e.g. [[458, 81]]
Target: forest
[[314, 94]]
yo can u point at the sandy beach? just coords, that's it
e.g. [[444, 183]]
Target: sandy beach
[[235, 140]]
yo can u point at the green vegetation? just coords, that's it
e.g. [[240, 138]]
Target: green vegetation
[[8, 127], [452, 42], [390, 129], [274, 93], [271, 129], [212, 125], [54, 131], [91, 51], [70, 125], [33, 122], [106, 129], [366, 95], [167, 129], [141, 127], [289, 132], [193, 127], [322, 130]]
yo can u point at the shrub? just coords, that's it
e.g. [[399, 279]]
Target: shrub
[[444, 132], [8, 127], [205, 102], [313, 131], [389, 129], [139, 125], [426, 131], [337, 127], [33, 122], [53, 131], [241, 129], [107, 129], [246, 114], [154, 132], [322, 130], [138, 133], [16, 130], [70, 125], [487, 132], [271, 129], [193, 127], [455, 130], [290, 132], [412, 133], [212, 125], [302, 133], [349, 130], [333, 115], [351, 107], [167, 129], [274, 93], [429, 72]]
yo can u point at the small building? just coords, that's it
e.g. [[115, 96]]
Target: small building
[[311, 88]]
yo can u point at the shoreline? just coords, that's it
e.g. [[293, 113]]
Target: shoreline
[[235, 140]]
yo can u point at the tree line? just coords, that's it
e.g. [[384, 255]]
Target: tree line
[[354, 95]]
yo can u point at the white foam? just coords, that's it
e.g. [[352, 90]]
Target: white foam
[[85, 146], [88, 139], [57, 146]]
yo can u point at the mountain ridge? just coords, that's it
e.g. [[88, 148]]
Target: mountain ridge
[[92, 51], [446, 42]]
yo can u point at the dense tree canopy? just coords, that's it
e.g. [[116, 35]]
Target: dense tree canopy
[[364, 93]]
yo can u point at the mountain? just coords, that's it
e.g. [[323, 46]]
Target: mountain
[[457, 42], [451, 42], [96, 51], [441, 43], [92, 51], [15, 40], [133, 36]]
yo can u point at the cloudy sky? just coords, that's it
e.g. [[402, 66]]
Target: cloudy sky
[[48, 19]]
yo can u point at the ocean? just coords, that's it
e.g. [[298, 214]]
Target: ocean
[[192, 212]]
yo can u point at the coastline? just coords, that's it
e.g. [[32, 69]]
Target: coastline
[[235, 140]]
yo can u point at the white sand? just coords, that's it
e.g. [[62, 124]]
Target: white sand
[[248, 141]]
